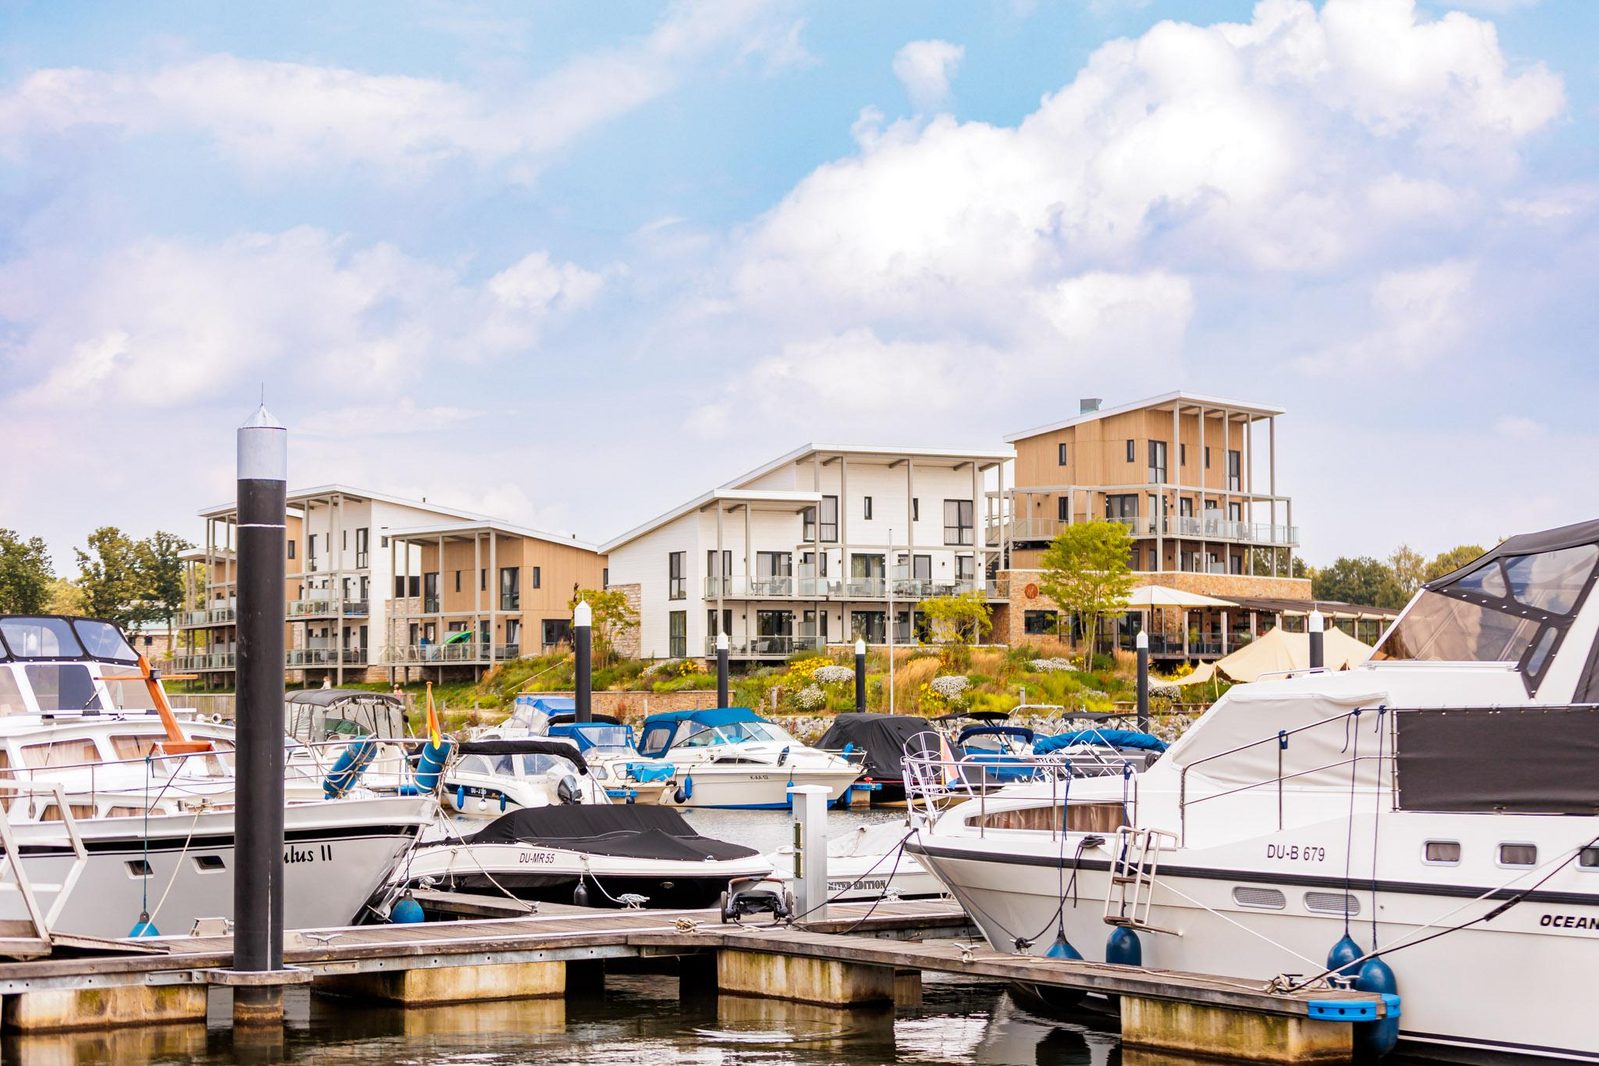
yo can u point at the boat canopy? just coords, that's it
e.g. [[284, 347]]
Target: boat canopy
[[709, 717], [60, 637], [606, 735], [884, 738], [1019, 731], [331, 713], [645, 832], [525, 746], [1115, 738]]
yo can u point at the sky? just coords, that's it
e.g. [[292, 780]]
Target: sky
[[571, 265]]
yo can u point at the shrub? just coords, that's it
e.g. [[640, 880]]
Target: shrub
[[833, 675], [809, 698]]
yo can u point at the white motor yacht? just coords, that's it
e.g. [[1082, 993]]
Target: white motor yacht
[[129, 807], [867, 862], [1435, 810], [491, 775], [730, 757]]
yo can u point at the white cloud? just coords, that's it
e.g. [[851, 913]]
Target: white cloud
[[925, 69], [1415, 315], [1519, 427], [162, 323], [288, 115]]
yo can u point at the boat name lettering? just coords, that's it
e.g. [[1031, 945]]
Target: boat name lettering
[[1570, 921], [864, 886], [535, 857], [316, 853], [1297, 852]]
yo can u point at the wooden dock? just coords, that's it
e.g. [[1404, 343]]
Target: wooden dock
[[860, 955]]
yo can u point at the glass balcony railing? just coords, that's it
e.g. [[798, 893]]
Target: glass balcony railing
[[854, 588], [328, 608], [780, 647], [463, 652]]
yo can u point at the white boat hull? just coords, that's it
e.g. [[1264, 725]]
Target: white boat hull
[[336, 853], [753, 787]]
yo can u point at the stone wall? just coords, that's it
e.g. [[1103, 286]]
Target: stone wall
[[627, 641]]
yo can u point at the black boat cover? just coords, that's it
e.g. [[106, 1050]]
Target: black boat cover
[[883, 737], [1521, 760], [526, 746], [607, 829]]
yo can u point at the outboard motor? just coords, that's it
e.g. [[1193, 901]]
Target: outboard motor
[[568, 791]]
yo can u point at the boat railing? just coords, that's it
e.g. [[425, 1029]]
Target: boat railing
[[934, 782], [1281, 739], [18, 881]]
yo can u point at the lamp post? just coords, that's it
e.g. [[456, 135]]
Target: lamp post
[[860, 674], [583, 647], [1318, 648], [888, 589], [1141, 642], [721, 670]]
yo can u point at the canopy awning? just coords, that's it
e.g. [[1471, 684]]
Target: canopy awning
[[1146, 596], [1278, 651]]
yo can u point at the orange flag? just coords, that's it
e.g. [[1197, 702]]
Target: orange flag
[[433, 720]]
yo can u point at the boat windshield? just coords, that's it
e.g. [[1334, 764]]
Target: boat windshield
[[1514, 608], [608, 738], [534, 765], [734, 733], [41, 638]]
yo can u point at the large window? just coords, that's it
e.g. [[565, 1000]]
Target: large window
[[957, 521], [712, 629], [676, 585], [1122, 508], [557, 631], [1157, 462], [1063, 508], [510, 588], [363, 540], [1235, 469], [869, 626], [677, 632], [829, 527], [1039, 623], [430, 591], [1510, 608]]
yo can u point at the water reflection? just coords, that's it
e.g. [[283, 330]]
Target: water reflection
[[640, 1018]]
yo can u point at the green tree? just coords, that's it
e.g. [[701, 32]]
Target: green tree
[[1086, 572], [1363, 580], [963, 619], [1408, 567], [613, 616], [109, 575], [1286, 566], [161, 576], [1451, 560], [25, 574]]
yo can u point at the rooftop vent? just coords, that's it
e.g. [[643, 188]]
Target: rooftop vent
[[1088, 404]]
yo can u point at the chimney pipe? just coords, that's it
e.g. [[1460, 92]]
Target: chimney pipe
[[1088, 404]]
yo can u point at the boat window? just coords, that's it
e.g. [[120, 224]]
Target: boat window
[[607, 737], [474, 764], [40, 638], [209, 863], [128, 691], [128, 747], [10, 693], [136, 867], [1514, 609], [1332, 903], [63, 687], [655, 740], [52, 813], [1588, 858], [104, 641], [124, 812], [535, 764], [1518, 854], [1442, 852], [737, 733], [75, 752]]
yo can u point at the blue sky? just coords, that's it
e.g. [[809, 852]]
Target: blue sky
[[571, 269]]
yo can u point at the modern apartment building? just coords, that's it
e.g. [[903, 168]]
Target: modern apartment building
[[1193, 477], [476, 593], [818, 546], [341, 571]]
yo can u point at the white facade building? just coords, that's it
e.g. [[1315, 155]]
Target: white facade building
[[815, 548]]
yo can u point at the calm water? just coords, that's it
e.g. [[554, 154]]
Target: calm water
[[639, 1018]]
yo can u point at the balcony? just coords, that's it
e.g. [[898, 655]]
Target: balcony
[[214, 662], [1207, 528], [464, 653], [298, 658], [840, 589], [328, 608], [1024, 529], [767, 647], [215, 616]]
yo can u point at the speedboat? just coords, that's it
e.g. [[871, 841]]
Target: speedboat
[[615, 855], [492, 775], [614, 760], [732, 757], [1417, 825], [127, 807], [991, 752], [1097, 747], [882, 740]]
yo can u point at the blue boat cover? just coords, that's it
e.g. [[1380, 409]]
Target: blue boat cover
[[550, 705], [1116, 738], [644, 772], [713, 716]]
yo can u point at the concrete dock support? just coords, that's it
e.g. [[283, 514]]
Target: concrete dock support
[[1220, 1032], [826, 982], [107, 1007], [451, 984]]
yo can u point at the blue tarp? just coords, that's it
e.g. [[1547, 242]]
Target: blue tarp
[[550, 705], [1117, 738], [712, 717]]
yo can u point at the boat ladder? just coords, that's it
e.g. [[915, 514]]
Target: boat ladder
[[30, 936], [1133, 871]]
